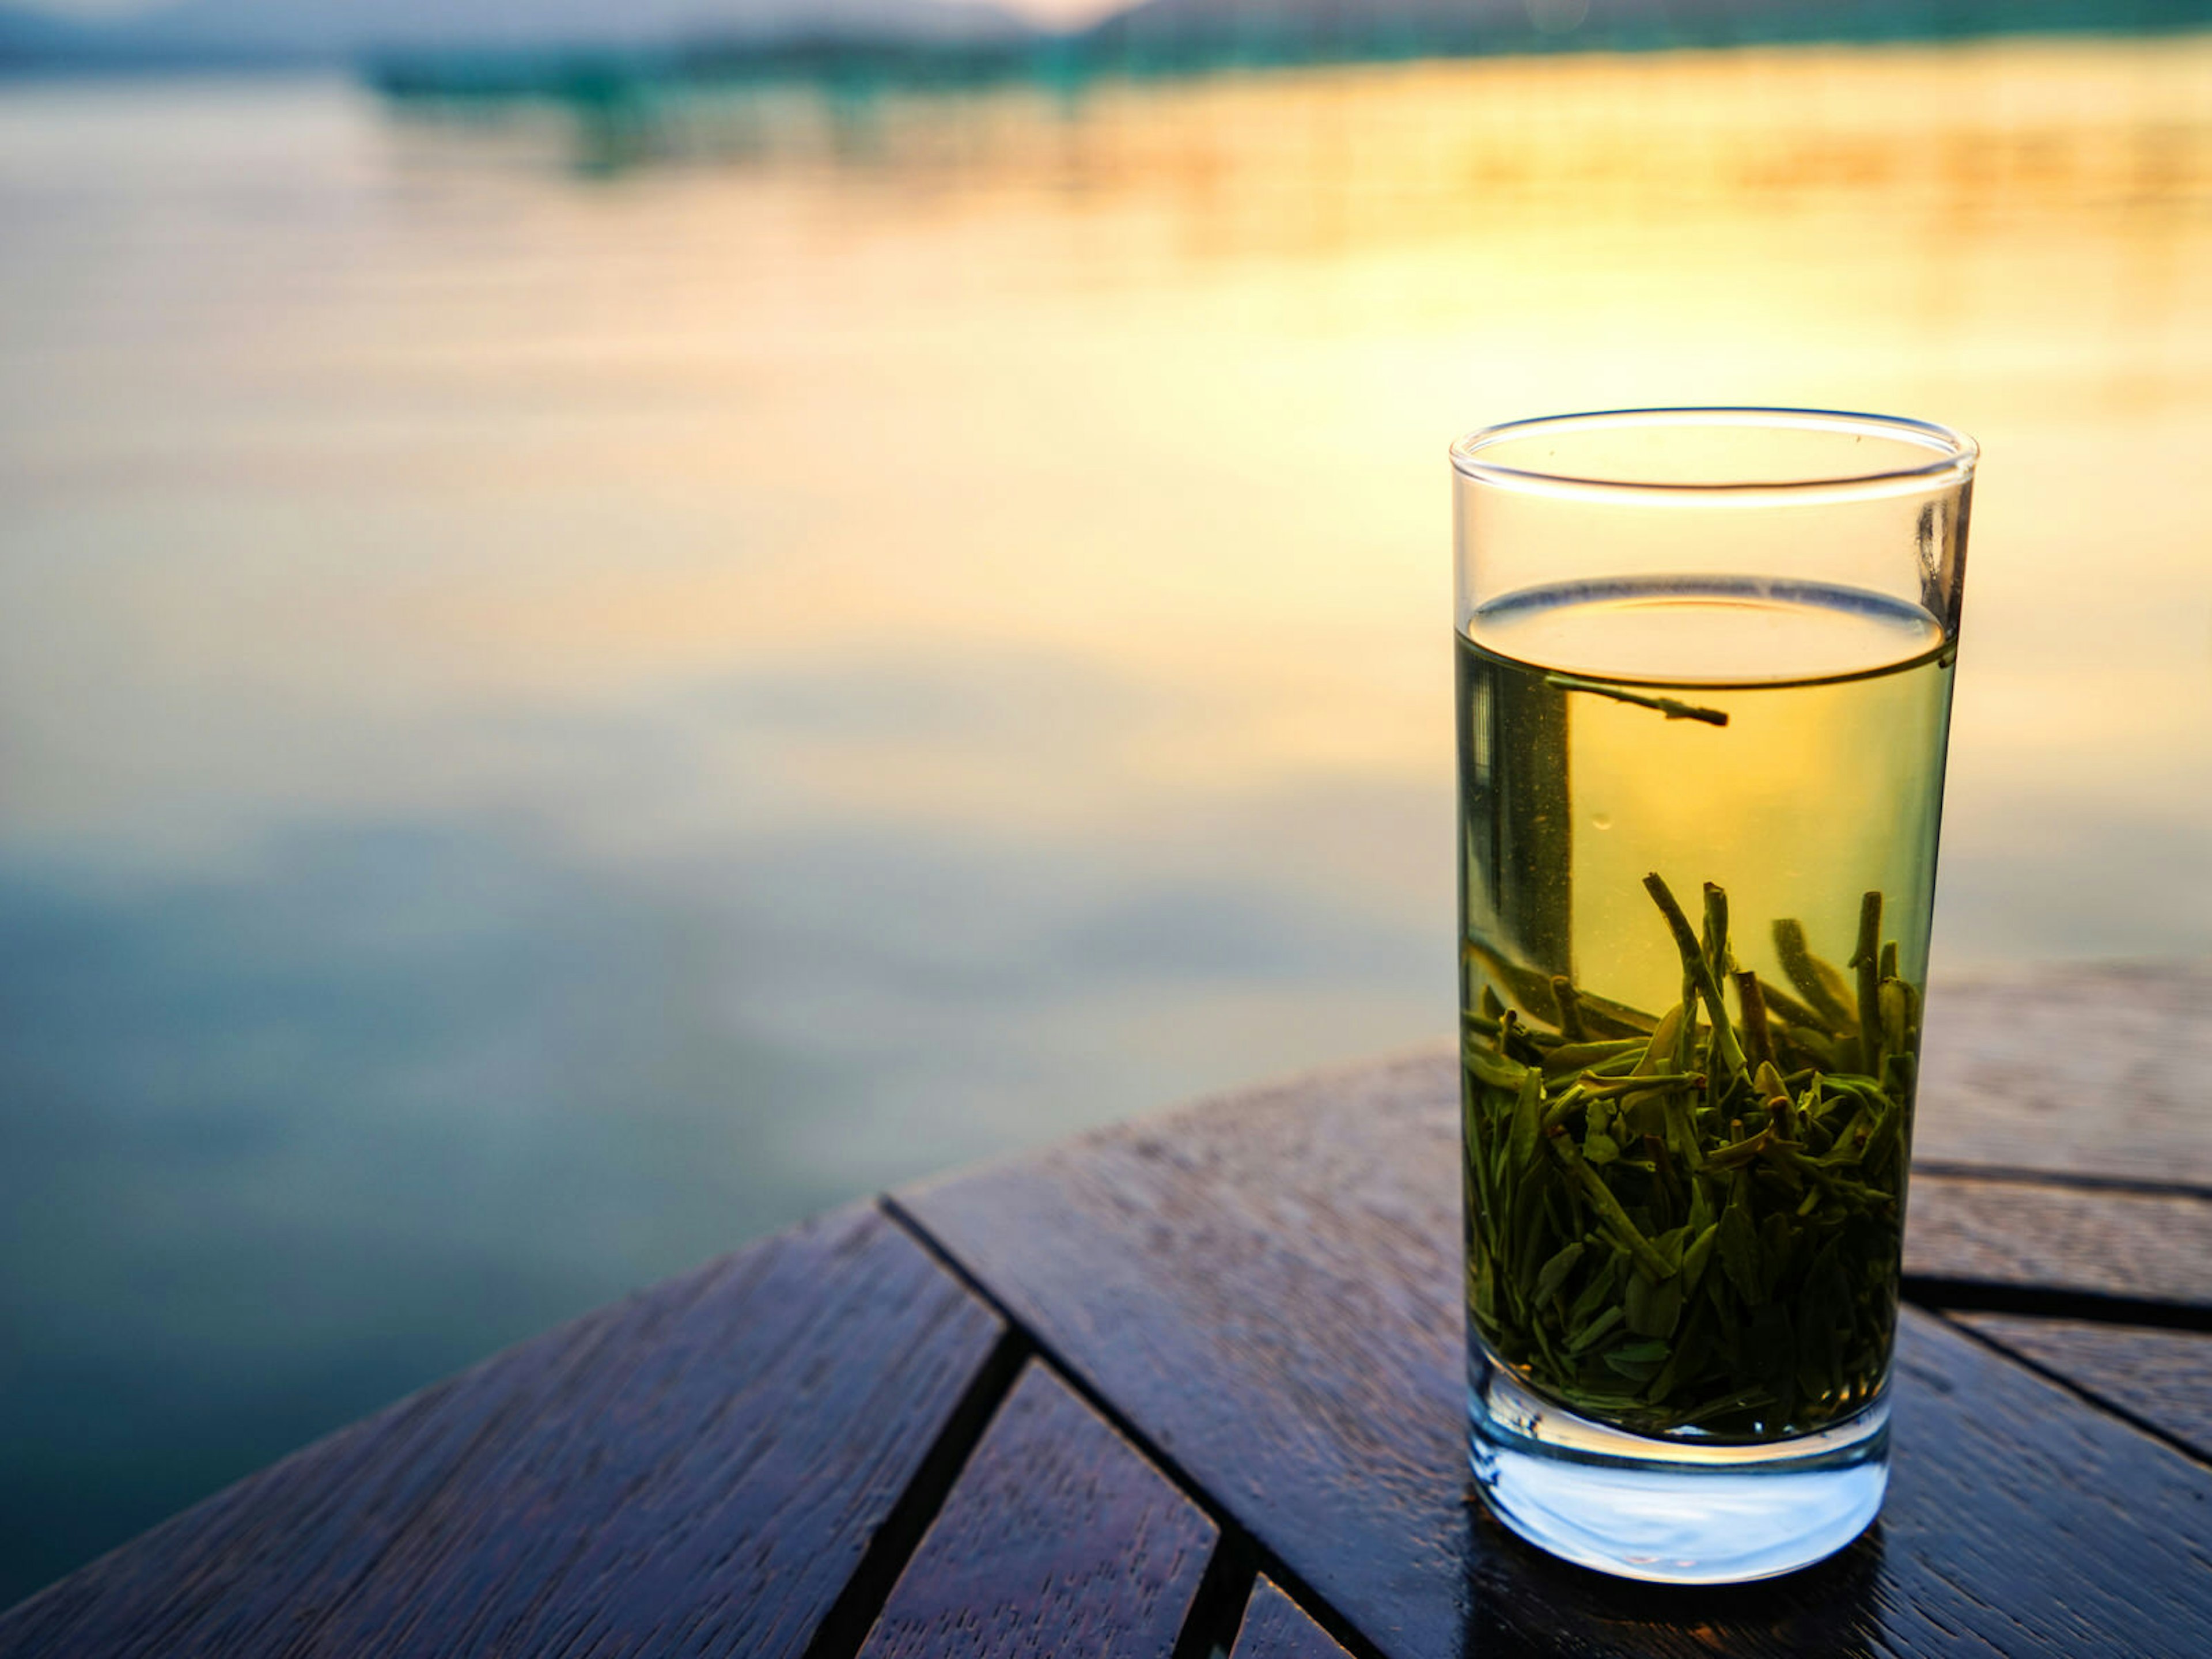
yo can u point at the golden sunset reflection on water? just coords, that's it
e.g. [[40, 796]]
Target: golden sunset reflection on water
[[1155, 382]]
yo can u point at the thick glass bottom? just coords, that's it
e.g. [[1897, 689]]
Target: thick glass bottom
[[1670, 1511]]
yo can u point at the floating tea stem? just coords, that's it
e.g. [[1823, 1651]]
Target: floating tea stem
[[1671, 707]]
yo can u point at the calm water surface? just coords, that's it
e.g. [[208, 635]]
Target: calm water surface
[[567, 700]]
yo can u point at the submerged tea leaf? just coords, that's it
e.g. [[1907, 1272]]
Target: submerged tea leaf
[[1737, 1236], [1694, 1258], [1639, 1364], [1594, 1329], [1554, 1275], [1653, 1308], [1681, 1222], [1595, 1296]]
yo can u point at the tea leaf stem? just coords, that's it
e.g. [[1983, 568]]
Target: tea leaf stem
[[1868, 960], [1571, 1013], [1757, 1040], [1716, 940], [1698, 970]]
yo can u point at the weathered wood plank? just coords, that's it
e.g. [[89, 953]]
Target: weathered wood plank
[[1268, 1290], [1275, 1627], [698, 1469], [2096, 1071], [1059, 1539], [2163, 1378], [2150, 1247]]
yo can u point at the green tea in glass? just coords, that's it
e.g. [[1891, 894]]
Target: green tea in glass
[[1704, 667]]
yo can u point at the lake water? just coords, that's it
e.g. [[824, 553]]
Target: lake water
[[568, 698]]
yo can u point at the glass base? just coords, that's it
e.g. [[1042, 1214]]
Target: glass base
[[1672, 1512]]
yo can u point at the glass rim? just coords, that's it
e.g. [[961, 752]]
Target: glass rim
[[1952, 454]]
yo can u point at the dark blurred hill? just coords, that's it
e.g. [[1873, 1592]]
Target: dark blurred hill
[[296, 31], [521, 47], [1162, 31]]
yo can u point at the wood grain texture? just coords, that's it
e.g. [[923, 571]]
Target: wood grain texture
[[2163, 1378], [2074, 1070], [696, 1470], [1267, 1289], [2152, 1247], [1275, 1627], [1058, 1539]]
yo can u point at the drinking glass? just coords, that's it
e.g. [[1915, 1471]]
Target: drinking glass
[[1705, 666]]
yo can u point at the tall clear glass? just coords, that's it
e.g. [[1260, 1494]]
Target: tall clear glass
[[1705, 679]]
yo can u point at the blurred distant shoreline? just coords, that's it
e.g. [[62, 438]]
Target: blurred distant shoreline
[[1176, 38], [920, 45]]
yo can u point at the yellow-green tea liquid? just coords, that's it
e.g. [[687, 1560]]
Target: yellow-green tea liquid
[[1825, 782]]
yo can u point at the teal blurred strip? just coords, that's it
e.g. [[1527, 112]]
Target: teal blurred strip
[[1180, 38]]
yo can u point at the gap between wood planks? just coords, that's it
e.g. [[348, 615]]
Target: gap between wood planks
[[1937, 1295], [2023, 1175], [1211, 1623], [857, 1605], [2111, 1407], [1217, 1609]]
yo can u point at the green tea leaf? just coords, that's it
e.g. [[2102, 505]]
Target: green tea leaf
[[1777, 1244], [1738, 1240], [1653, 1308], [1597, 1327], [1659, 1052], [1611, 1216], [1570, 1058], [1699, 1253], [1598, 1292], [1554, 1276], [1530, 1233], [1637, 1371], [1494, 1069], [1827, 991], [1893, 1001], [1606, 1018], [1528, 1121]]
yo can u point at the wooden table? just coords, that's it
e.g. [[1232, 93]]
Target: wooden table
[[1196, 1383]]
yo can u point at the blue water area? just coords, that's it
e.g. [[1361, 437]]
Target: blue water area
[[285, 1143]]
